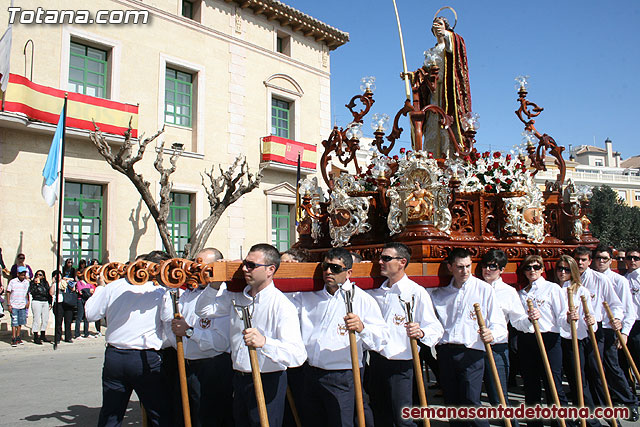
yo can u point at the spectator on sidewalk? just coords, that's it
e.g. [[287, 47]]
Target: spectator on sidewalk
[[68, 272], [41, 300], [64, 311], [84, 291], [18, 302], [20, 263]]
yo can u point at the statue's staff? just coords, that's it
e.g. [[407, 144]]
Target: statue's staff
[[576, 356], [594, 343], [255, 367], [417, 365], [347, 292], [407, 83], [182, 373], [492, 363], [545, 361], [625, 349]]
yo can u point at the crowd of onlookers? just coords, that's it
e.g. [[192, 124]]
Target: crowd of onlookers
[[37, 291]]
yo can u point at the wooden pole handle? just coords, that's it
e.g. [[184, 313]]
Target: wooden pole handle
[[576, 357], [357, 385], [257, 386], [596, 352], [625, 349], [492, 364], [545, 362], [417, 372], [182, 372]]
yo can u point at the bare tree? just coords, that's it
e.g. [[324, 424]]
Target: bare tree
[[222, 191]]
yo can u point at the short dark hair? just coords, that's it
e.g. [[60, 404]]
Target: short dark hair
[[582, 250], [55, 272], [270, 253], [299, 254], [632, 249], [603, 248], [156, 256], [495, 255], [458, 253], [340, 253], [401, 249], [357, 258]]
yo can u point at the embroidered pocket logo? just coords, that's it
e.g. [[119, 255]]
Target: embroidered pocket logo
[[342, 329], [398, 319], [205, 323]]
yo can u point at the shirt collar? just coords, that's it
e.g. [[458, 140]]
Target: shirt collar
[[399, 285], [264, 293]]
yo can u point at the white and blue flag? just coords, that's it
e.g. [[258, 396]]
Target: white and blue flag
[[51, 172]]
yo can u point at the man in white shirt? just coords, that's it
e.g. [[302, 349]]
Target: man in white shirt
[[275, 334], [329, 387], [493, 264], [632, 262], [601, 289], [461, 350], [618, 386], [207, 359], [135, 336], [391, 370]]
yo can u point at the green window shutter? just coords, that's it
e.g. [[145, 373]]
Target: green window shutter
[[82, 221], [178, 96], [88, 70], [179, 221], [281, 226], [280, 118]]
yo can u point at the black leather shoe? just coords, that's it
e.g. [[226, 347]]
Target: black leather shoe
[[633, 414]]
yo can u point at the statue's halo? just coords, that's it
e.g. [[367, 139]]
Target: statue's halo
[[455, 15]]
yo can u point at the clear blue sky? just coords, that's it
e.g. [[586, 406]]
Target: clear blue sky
[[583, 58]]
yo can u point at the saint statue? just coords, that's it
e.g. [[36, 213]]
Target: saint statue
[[443, 81]]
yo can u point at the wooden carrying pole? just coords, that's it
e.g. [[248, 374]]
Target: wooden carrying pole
[[255, 373], [355, 361], [492, 364], [596, 352], [417, 365], [182, 373], [576, 358], [625, 349], [545, 362]]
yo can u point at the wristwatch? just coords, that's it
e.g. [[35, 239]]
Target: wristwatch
[[189, 332]]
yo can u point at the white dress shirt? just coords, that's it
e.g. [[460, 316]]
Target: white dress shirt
[[623, 291], [272, 314], [547, 297], [581, 325], [394, 313], [210, 336], [454, 308], [508, 300], [325, 334], [634, 287], [135, 313], [601, 289]]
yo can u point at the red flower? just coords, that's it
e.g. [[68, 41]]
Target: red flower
[[509, 181], [395, 157], [477, 155], [508, 157], [467, 159], [496, 155], [402, 150], [430, 155], [505, 172], [370, 166], [487, 188], [496, 165], [486, 154]]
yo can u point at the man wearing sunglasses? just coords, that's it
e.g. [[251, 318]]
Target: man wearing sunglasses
[[621, 264], [601, 289], [618, 386], [328, 386], [391, 372], [632, 261], [461, 349], [275, 333]]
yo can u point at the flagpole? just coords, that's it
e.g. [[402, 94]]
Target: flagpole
[[59, 231], [298, 204]]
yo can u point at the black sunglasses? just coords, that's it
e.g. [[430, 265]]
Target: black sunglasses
[[563, 269], [632, 258], [536, 267], [335, 268], [603, 258], [250, 265], [491, 267], [619, 258], [387, 258]]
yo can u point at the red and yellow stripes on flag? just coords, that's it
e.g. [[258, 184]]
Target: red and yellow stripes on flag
[[282, 150], [44, 103]]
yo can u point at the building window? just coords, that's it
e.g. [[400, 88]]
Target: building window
[[281, 226], [283, 43], [599, 162], [622, 194], [178, 97], [187, 9], [179, 221], [280, 122], [88, 70], [637, 196], [82, 221]]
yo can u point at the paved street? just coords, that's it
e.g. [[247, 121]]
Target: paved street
[[42, 387]]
